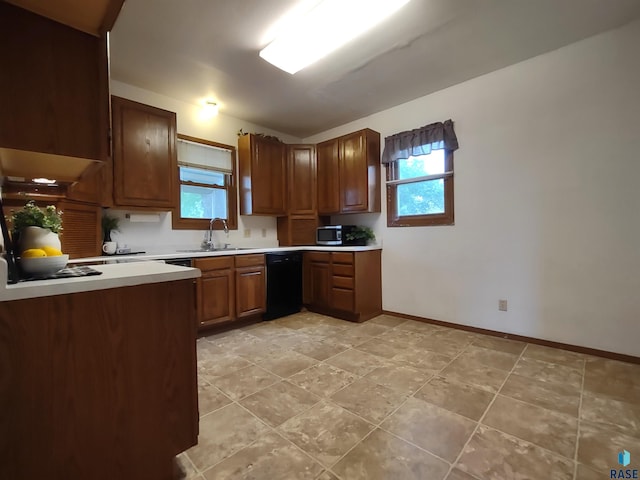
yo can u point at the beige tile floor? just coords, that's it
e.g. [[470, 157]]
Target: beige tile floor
[[312, 397]]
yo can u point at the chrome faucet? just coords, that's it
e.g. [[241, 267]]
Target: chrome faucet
[[207, 243]]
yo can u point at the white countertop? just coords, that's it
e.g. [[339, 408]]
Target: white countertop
[[128, 270], [171, 254], [113, 276]]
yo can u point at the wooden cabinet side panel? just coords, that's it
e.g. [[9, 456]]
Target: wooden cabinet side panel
[[368, 283], [98, 378], [244, 173], [328, 177], [144, 161], [372, 139], [97, 185]]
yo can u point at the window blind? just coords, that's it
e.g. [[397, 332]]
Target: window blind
[[199, 155]]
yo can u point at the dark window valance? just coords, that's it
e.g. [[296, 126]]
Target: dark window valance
[[420, 141]]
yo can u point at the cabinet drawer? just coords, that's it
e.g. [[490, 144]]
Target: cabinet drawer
[[249, 260], [318, 256], [342, 257], [213, 263], [342, 299], [343, 282], [343, 270]]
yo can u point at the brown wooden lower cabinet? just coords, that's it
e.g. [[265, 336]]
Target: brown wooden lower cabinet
[[215, 291], [346, 285], [317, 276], [251, 293], [231, 288], [98, 385]]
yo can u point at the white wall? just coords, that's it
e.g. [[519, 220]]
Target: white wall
[[223, 129], [547, 201]]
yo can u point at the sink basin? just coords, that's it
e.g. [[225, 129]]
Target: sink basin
[[201, 250]]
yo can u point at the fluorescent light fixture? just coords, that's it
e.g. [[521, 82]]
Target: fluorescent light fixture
[[329, 24], [45, 181], [210, 108]]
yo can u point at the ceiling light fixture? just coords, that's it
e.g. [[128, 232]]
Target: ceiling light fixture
[[42, 180], [210, 108], [316, 32]]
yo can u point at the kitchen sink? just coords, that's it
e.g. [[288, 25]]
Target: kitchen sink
[[202, 250]]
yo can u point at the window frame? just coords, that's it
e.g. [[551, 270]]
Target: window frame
[[427, 220], [230, 185]]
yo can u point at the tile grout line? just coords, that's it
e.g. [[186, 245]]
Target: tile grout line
[[358, 377], [237, 402], [378, 425], [495, 396], [575, 457], [272, 429], [375, 426]]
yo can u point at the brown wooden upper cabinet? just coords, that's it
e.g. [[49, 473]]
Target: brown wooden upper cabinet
[[144, 156], [349, 173], [328, 177], [301, 169], [262, 173], [53, 87]]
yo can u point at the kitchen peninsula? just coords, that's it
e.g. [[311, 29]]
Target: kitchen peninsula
[[98, 374]]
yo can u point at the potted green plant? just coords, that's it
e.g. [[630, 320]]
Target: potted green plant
[[360, 236], [33, 227], [109, 224]]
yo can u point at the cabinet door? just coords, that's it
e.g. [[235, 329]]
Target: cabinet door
[[216, 297], [319, 284], [354, 189], [251, 291], [301, 165], [268, 181], [53, 87], [328, 177], [82, 233], [144, 157]]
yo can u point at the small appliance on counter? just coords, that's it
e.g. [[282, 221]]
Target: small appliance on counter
[[333, 235]]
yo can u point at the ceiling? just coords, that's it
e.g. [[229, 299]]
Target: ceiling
[[91, 16], [192, 49]]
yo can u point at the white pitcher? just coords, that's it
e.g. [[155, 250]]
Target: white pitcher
[[37, 237]]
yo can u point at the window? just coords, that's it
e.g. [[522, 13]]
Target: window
[[207, 184], [420, 177]]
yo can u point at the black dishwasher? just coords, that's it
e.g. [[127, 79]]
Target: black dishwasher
[[284, 284]]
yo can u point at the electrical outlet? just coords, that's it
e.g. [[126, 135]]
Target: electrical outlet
[[264, 233], [247, 232], [502, 305]]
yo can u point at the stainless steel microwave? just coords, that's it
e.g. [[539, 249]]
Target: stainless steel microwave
[[333, 235]]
